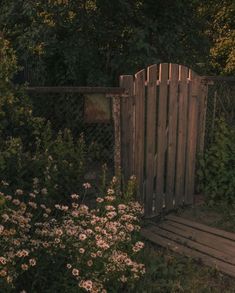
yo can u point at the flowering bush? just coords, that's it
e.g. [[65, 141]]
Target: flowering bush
[[91, 250]]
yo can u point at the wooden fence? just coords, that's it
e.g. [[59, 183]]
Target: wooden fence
[[159, 121], [162, 129]]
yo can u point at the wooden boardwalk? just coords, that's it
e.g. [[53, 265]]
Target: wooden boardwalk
[[214, 247]]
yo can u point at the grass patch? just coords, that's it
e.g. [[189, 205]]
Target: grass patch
[[170, 272], [220, 216]]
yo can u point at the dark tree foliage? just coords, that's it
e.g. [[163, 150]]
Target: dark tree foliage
[[92, 42]]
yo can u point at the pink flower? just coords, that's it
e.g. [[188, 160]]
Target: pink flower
[[3, 261], [74, 196], [87, 185], [110, 191], [24, 267], [32, 262], [75, 272], [99, 199], [90, 263], [18, 192], [82, 237]]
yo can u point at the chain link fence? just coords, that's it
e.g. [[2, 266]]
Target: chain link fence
[[88, 115], [220, 101]]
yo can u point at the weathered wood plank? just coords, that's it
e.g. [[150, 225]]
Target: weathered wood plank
[[139, 90], [176, 247], [201, 237], [202, 227], [127, 127], [182, 133], [192, 244], [161, 135], [150, 136], [192, 135], [172, 130]]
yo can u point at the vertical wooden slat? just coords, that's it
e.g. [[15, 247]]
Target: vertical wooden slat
[[127, 127], [150, 136], [172, 131], [161, 135], [181, 140], [194, 91], [139, 90]]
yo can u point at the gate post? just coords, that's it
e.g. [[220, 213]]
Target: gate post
[[127, 127], [117, 138]]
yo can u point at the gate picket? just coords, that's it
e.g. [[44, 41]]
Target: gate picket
[[191, 137], [181, 140], [150, 135], [161, 135], [139, 131], [172, 131]]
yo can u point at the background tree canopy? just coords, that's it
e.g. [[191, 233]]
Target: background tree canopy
[[91, 42]]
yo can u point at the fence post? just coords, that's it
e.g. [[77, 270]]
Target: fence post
[[117, 132], [127, 127]]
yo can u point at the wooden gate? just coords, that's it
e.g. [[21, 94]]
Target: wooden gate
[[162, 129]]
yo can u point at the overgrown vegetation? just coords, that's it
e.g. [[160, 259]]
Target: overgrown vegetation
[[220, 216], [50, 240], [45, 233], [216, 173], [170, 273], [29, 148]]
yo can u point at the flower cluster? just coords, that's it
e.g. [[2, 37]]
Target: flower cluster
[[98, 245]]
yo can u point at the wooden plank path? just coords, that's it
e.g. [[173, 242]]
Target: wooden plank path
[[213, 247]]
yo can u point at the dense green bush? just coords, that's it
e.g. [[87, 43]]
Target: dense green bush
[[216, 173]]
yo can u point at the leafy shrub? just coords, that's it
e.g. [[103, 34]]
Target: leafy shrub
[[57, 164], [216, 173], [8, 63], [29, 148], [69, 248]]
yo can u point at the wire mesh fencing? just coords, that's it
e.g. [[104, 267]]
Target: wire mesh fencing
[[88, 115], [220, 102]]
